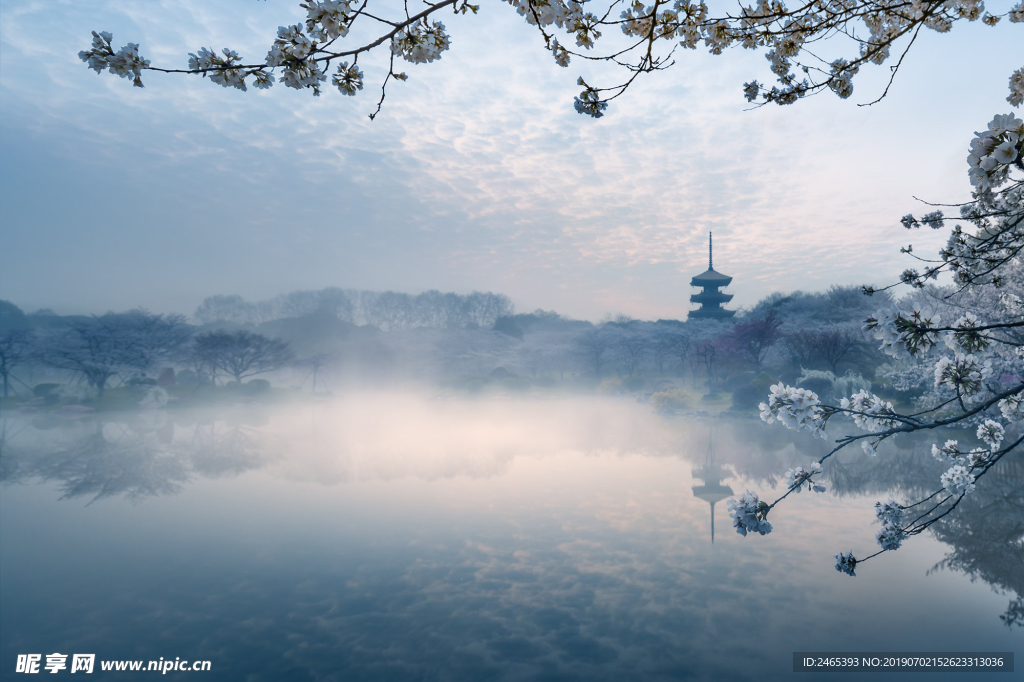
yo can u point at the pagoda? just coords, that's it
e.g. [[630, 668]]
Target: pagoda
[[712, 474], [711, 299]]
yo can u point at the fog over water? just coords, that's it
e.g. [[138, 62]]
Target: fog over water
[[395, 535]]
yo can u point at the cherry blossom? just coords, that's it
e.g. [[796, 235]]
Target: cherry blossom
[[126, 62], [964, 374], [652, 31], [749, 513], [795, 408], [991, 433], [845, 563], [1012, 408], [798, 477], [958, 480]]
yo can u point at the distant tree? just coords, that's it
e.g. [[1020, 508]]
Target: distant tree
[[593, 346], [485, 308], [454, 312], [705, 356], [632, 347], [391, 311], [754, 339], [316, 363], [99, 348], [12, 318], [336, 302], [427, 308], [298, 303], [837, 345], [800, 348], [241, 354], [678, 344], [507, 325], [222, 308], [15, 349]]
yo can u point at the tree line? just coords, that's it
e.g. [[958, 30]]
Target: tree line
[[123, 346], [387, 310]]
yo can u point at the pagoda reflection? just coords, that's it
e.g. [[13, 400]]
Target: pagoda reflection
[[711, 473]]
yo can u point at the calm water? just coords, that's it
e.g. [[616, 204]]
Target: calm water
[[388, 537]]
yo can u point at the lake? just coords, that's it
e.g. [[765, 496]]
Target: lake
[[389, 536]]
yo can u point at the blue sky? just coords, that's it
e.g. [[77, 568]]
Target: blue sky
[[477, 175]]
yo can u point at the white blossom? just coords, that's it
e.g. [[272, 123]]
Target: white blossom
[[975, 458], [870, 447], [966, 338], [870, 412], [1012, 407], [304, 75], [1016, 96], [422, 42], [96, 56], [1006, 153], [991, 151], [947, 451], [890, 537], [328, 19], [845, 563], [904, 334], [963, 373], [890, 512], [795, 408], [589, 101], [892, 517], [798, 476], [222, 70], [748, 514], [958, 480], [348, 79], [1016, 13], [291, 44], [991, 433], [560, 54], [545, 12], [126, 62], [263, 79]]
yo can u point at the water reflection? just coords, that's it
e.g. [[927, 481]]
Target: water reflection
[[711, 473], [986, 537], [399, 539], [138, 456]]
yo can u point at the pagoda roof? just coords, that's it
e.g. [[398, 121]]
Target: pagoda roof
[[712, 312], [710, 297], [714, 492], [710, 277]]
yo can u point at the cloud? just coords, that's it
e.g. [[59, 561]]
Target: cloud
[[477, 175]]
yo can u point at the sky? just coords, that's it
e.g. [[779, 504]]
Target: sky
[[477, 175]]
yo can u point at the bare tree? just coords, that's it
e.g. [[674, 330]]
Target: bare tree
[[99, 348], [632, 347], [15, 349], [837, 345], [391, 311], [754, 339], [241, 354], [831, 347], [594, 346], [223, 308], [678, 345], [316, 363], [800, 348], [705, 354]]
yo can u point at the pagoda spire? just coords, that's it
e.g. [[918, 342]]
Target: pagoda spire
[[710, 260]]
